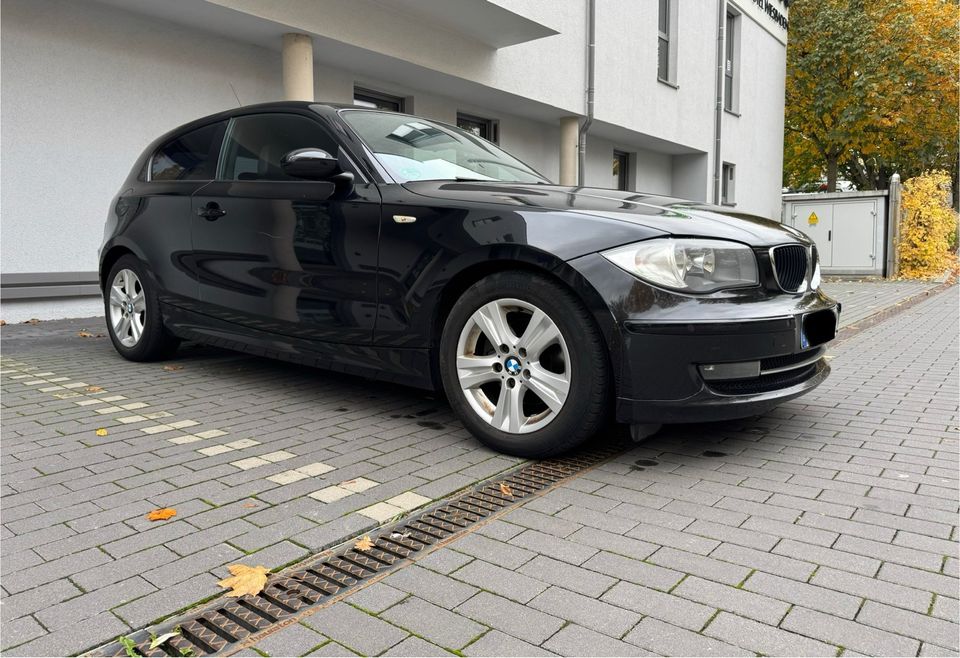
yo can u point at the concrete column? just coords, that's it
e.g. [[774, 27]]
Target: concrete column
[[569, 137], [297, 67]]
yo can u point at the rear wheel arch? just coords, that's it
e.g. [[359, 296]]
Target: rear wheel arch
[[109, 259]]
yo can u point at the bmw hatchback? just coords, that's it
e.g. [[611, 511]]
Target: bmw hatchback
[[398, 248]]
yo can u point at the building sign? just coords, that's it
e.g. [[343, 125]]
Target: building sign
[[769, 7]]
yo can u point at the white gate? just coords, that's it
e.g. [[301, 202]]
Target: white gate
[[849, 229]]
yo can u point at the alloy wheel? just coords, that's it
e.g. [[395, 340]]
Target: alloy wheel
[[513, 366], [128, 310]]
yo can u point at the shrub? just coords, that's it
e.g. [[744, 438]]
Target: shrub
[[928, 226]]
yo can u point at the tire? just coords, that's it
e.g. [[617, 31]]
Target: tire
[[541, 415], [143, 337]]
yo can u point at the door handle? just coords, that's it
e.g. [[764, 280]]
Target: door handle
[[212, 211], [829, 236]]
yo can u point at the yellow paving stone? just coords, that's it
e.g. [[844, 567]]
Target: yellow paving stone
[[330, 494], [114, 398], [287, 477], [130, 419], [358, 485], [35, 382], [87, 403], [76, 385], [408, 501], [67, 395], [316, 468], [108, 410], [59, 379], [241, 443], [211, 434], [43, 374], [134, 405], [278, 456], [159, 414], [380, 512], [214, 450], [21, 376], [49, 389], [157, 429], [249, 462], [180, 424], [189, 438]]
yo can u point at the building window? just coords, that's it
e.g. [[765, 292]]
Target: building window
[[621, 170], [728, 185], [667, 41], [488, 129], [731, 68], [377, 100]]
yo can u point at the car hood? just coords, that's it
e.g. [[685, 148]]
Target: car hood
[[662, 214]]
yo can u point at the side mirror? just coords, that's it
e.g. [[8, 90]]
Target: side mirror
[[310, 163]]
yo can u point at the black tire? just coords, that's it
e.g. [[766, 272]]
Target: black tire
[[155, 341], [586, 408]]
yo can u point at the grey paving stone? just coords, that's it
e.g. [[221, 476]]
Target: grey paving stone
[[841, 604], [355, 629], [333, 649], [708, 567], [634, 571], [292, 640], [669, 640], [495, 644], [765, 639], [911, 624], [509, 617], [500, 530], [845, 633], [377, 597], [659, 605], [577, 579], [560, 549], [779, 565], [873, 589], [414, 646], [431, 586], [738, 601], [574, 640], [68, 641], [81, 608], [613, 543], [597, 615], [50, 571], [433, 623], [552, 525], [444, 561], [506, 555], [38, 598], [500, 581], [166, 600], [18, 632]]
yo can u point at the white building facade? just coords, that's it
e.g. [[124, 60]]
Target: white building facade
[[687, 98]]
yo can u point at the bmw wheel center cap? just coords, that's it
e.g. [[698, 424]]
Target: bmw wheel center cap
[[512, 365]]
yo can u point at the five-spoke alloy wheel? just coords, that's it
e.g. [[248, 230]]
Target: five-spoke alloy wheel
[[133, 312], [127, 307], [510, 368]]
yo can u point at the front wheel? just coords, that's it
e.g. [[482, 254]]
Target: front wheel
[[524, 366]]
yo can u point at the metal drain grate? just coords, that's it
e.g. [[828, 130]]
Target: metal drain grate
[[225, 623]]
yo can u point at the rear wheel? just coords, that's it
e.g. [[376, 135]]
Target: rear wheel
[[524, 365], [133, 313]]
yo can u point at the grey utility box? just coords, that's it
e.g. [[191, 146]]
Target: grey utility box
[[849, 229]]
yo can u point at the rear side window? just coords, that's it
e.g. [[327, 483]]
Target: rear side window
[[256, 144], [191, 156]]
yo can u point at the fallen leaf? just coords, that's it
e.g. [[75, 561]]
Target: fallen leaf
[[245, 580], [3, 323], [93, 389], [171, 368], [161, 514], [364, 544], [505, 489], [32, 321], [160, 639], [84, 334], [101, 431], [249, 505]]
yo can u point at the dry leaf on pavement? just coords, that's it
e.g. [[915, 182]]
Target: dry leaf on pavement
[[505, 489], [249, 505], [84, 334], [93, 389], [32, 321], [245, 580], [364, 544], [161, 514], [171, 368], [101, 431], [3, 323]]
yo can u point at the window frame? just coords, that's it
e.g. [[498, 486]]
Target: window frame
[[731, 64], [623, 175], [728, 184], [374, 96], [215, 150], [492, 125], [668, 37]]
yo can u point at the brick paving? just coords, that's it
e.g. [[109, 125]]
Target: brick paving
[[827, 525]]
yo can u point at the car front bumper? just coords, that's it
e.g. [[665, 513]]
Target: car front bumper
[[685, 358]]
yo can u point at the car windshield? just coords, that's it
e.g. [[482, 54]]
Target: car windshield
[[413, 149]]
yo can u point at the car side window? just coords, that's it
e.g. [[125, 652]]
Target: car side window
[[191, 156], [256, 144]]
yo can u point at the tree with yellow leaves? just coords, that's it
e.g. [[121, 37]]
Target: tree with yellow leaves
[[872, 89]]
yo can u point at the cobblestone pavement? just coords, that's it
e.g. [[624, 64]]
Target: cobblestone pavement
[[830, 522], [862, 299]]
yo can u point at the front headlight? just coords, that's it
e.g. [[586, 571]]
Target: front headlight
[[688, 264]]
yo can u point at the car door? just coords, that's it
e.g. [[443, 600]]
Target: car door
[[280, 254]]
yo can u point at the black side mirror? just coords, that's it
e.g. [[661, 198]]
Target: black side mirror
[[310, 163]]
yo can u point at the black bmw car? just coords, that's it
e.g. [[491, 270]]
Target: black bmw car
[[395, 247]]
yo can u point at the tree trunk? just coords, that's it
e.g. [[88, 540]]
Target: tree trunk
[[832, 173]]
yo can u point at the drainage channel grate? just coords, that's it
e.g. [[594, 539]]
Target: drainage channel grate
[[221, 626]]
